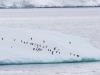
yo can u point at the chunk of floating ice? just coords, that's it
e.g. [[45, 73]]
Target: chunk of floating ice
[[15, 52]]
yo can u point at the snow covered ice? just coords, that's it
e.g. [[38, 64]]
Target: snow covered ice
[[19, 46]]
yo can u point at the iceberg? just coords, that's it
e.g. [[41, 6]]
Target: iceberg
[[22, 46], [2, 5], [13, 6]]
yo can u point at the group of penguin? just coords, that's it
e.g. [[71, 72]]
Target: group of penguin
[[39, 47], [74, 55]]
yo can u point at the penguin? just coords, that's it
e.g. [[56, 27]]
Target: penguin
[[52, 52], [56, 51], [55, 48], [43, 46], [24, 42], [31, 43], [11, 46], [77, 55], [69, 42], [43, 41], [59, 52], [37, 49], [31, 38], [40, 49], [46, 46], [2, 38], [14, 39], [33, 48]]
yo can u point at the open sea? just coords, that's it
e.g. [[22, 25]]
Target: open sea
[[83, 22]]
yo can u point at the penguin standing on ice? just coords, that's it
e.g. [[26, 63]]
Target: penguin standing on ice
[[69, 42], [52, 52], [55, 48], [46, 46], [37, 49], [40, 45], [56, 51], [31, 43], [24, 42], [77, 55], [33, 48], [43, 41], [59, 52], [43, 46], [2, 38], [11, 46], [14, 39], [31, 38]]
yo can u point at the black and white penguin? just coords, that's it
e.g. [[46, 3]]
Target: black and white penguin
[[43, 41], [69, 42], [33, 48], [59, 52], [52, 52], [31, 38], [14, 39], [24, 42], [2, 38], [55, 48], [77, 55], [46, 46]]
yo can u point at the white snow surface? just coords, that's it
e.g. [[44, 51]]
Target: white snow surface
[[16, 52], [49, 3]]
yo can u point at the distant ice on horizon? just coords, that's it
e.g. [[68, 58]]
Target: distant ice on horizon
[[48, 3]]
